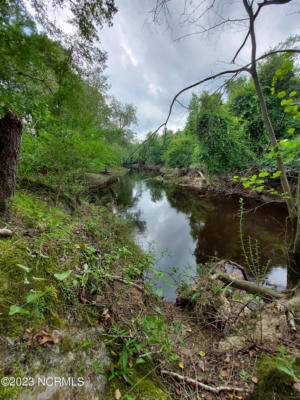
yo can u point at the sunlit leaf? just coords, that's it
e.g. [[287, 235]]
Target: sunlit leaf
[[63, 275], [24, 267], [18, 310]]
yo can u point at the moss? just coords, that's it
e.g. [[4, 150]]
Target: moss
[[146, 386], [67, 344], [11, 392], [273, 384], [24, 273]]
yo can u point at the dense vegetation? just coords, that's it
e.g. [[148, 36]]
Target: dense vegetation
[[70, 124], [226, 132]]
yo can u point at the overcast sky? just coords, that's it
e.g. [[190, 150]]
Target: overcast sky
[[147, 66]]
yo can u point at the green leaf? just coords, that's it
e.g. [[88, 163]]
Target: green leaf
[[291, 130], [276, 174], [246, 184], [286, 370], [159, 292], [33, 296], [17, 310], [63, 275], [27, 269], [281, 94], [293, 93], [263, 174], [140, 361]]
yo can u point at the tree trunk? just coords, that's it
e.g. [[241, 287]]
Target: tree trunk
[[292, 204], [10, 145]]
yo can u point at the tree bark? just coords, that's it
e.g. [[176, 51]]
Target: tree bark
[[10, 145]]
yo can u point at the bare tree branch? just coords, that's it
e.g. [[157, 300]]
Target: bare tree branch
[[272, 2], [206, 30], [240, 48]]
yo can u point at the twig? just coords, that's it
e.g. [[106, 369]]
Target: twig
[[122, 280], [241, 268], [194, 382]]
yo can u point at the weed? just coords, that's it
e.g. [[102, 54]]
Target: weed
[[251, 254], [286, 364]]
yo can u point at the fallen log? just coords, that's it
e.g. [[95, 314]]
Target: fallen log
[[250, 287]]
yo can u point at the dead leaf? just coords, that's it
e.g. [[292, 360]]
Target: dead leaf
[[107, 316], [254, 379], [83, 300], [227, 360], [117, 394], [130, 363], [224, 373], [42, 337], [297, 386], [237, 364], [201, 365]]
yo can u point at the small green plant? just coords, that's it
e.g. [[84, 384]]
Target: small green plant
[[151, 336], [287, 365], [98, 367], [251, 253]]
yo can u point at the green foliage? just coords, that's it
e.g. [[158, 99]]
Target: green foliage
[[287, 365], [222, 141], [272, 381], [180, 151], [231, 135], [69, 126], [151, 332]]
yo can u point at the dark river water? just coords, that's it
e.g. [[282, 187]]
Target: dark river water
[[185, 230]]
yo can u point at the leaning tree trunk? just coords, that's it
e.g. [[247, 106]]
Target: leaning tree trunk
[[10, 145]]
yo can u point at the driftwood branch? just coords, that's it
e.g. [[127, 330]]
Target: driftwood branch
[[194, 382]]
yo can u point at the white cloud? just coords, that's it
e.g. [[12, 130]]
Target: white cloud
[[146, 67]]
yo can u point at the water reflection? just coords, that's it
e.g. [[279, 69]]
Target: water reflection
[[195, 228]]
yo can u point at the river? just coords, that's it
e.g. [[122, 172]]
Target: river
[[185, 230]]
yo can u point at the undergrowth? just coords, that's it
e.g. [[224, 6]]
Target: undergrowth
[[44, 264]]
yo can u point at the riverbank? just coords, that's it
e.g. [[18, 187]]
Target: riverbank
[[196, 179], [74, 304]]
